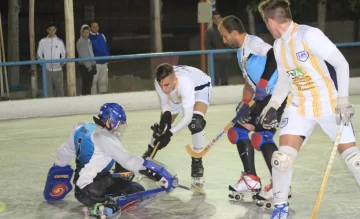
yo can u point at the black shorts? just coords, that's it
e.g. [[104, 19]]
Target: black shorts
[[257, 109], [105, 184]]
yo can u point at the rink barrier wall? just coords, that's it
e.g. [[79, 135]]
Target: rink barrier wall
[[145, 100], [210, 54]]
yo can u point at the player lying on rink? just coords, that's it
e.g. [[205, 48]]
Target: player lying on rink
[[96, 147], [182, 89], [301, 52], [258, 65]]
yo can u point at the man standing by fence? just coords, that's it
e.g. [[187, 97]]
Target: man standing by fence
[[52, 47], [100, 48]]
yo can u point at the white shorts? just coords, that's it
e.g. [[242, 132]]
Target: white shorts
[[294, 124], [203, 95]]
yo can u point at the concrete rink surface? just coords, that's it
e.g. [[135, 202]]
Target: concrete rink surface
[[28, 146]]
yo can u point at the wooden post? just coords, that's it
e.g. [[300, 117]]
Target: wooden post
[[155, 26], [32, 47], [202, 45], [70, 46]]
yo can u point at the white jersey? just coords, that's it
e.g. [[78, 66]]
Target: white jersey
[[189, 80], [103, 147], [300, 54]]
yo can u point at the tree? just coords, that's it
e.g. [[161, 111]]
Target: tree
[[13, 39]]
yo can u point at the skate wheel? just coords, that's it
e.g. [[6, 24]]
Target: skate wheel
[[254, 197], [259, 204], [268, 205], [239, 197]]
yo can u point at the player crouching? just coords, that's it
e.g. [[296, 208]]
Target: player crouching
[[186, 89], [96, 148]]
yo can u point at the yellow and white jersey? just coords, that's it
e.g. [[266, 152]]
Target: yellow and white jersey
[[302, 57]]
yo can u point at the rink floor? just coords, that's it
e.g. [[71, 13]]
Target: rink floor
[[28, 146]]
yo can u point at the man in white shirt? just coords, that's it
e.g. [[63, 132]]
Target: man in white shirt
[[301, 53], [52, 47], [186, 89]]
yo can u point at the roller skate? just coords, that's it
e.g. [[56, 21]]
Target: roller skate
[[107, 210], [281, 211], [265, 197], [197, 174], [247, 183]]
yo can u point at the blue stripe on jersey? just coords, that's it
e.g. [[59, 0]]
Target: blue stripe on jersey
[[85, 147], [333, 75], [255, 68]]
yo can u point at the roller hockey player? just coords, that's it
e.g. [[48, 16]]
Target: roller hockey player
[[96, 148], [301, 53], [257, 62], [186, 89]]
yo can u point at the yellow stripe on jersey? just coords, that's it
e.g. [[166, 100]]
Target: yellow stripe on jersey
[[308, 80], [286, 68], [316, 65]]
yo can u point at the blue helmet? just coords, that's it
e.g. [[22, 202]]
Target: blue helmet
[[114, 113]]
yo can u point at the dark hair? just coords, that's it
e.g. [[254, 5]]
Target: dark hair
[[216, 13], [278, 10], [163, 70], [231, 23], [52, 24], [92, 22]]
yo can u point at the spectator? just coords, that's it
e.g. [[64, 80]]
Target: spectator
[[87, 68], [213, 40], [100, 48], [52, 48]]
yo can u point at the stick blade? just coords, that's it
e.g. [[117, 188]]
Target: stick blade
[[193, 153]]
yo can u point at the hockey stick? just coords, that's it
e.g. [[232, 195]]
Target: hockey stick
[[327, 173], [218, 136]]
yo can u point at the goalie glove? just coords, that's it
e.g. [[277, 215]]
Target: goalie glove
[[269, 115], [344, 111]]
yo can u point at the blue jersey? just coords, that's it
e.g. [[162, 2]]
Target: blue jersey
[[252, 59], [84, 146]]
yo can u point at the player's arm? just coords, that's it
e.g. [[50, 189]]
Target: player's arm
[[163, 99], [187, 92], [326, 50], [67, 149], [248, 93], [268, 117], [261, 48], [113, 147]]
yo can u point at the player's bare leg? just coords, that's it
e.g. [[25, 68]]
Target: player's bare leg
[[197, 126]]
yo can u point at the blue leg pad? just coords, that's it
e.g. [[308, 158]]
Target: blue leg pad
[[236, 134], [260, 138], [58, 183]]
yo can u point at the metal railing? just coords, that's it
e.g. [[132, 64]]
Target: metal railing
[[210, 54]]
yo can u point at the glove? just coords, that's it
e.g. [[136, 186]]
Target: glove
[[262, 90], [93, 70], [344, 111], [243, 108], [165, 120], [156, 130], [151, 174], [163, 139], [269, 115]]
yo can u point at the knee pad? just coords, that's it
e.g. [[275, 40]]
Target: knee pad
[[260, 138], [281, 161], [352, 161], [197, 123], [237, 134]]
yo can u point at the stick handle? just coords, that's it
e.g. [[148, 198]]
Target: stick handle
[[327, 173], [156, 146]]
